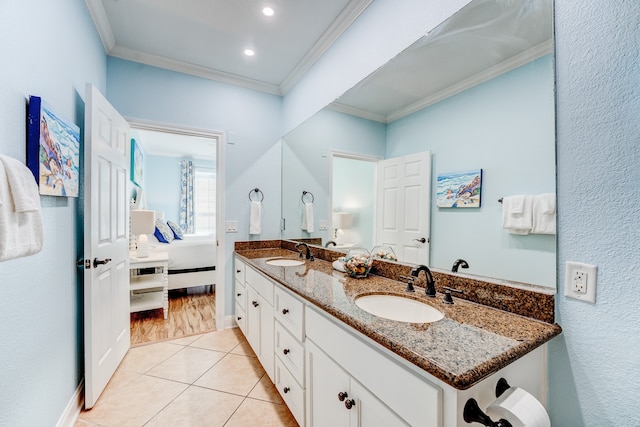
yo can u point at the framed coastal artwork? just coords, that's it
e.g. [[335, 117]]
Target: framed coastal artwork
[[53, 150], [136, 163], [459, 189]]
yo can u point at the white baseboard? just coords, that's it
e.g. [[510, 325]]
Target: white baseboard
[[230, 322], [71, 412]]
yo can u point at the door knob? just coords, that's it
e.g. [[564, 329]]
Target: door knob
[[97, 262], [421, 240]]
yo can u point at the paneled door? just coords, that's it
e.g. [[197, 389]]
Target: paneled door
[[403, 207], [106, 261]]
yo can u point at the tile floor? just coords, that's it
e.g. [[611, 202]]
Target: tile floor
[[212, 379]]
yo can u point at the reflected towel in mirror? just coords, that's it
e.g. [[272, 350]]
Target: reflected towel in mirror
[[255, 217], [307, 217]]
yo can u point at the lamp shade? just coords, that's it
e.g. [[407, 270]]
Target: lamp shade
[[342, 220], [143, 221]]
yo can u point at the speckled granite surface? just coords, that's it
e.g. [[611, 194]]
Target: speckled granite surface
[[470, 343]]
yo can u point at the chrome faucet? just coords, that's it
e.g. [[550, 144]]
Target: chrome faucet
[[459, 263], [431, 284], [308, 255]]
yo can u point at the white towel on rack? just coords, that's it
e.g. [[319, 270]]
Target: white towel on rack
[[517, 214], [255, 217], [307, 217], [544, 214], [21, 228]]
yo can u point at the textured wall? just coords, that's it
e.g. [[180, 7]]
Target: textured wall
[[595, 363]]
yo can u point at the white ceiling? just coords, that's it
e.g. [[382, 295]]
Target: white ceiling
[[207, 38]]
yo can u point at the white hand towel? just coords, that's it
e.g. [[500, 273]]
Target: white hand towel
[[22, 231], [517, 214], [307, 217], [255, 217], [544, 214]]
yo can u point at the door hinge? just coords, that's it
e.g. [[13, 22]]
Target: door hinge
[[83, 263]]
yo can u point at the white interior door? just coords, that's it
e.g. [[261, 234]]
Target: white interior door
[[403, 207], [106, 217]]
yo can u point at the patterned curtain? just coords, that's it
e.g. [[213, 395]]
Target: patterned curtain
[[186, 196]]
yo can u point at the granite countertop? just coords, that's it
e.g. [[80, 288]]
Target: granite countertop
[[471, 342]]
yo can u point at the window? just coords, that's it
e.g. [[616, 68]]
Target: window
[[205, 201]]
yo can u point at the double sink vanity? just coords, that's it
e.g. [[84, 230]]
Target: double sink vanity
[[329, 344]]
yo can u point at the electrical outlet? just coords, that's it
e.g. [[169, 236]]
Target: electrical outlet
[[323, 224], [580, 281]]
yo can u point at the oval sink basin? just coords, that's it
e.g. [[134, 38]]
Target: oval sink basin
[[399, 308], [285, 262]]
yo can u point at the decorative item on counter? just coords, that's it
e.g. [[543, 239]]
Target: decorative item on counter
[[358, 262], [339, 264], [384, 252]]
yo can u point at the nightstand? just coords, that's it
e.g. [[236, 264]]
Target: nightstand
[[149, 282]]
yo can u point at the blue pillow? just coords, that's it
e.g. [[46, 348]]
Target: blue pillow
[[177, 231], [162, 232]]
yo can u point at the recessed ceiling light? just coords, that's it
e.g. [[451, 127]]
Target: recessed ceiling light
[[249, 52], [267, 11]]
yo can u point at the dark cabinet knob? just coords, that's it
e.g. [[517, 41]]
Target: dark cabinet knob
[[255, 303], [285, 310], [238, 271], [342, 396], [238, 294], [286, 351], [286, 389], [350, 403], [239, 318]]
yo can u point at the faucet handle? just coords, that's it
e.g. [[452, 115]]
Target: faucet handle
[[410, 281], [447, 294]]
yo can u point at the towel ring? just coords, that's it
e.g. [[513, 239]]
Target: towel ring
[[500, 200], [257, 191], [304, 193]]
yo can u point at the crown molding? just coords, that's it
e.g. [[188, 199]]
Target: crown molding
[[342, 108], [514, 62], [99, 16], [195, 70], [349, 14]]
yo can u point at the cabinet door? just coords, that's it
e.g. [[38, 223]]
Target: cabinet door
[[259, 329], [369, 411], [253, 319], [325, 381]]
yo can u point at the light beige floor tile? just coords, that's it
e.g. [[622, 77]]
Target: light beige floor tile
[[264, 414], [198, 407], [243, 348], [143, 358], [265, 390], [135, 403], [82, 423], [120, 378], [186, 340], [224, 340], [233, 374], [187, 365]]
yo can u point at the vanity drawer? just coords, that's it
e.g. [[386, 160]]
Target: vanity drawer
[[261, 284], [290, 351], [292, 393], [241, 319], [289, 311], [240, 267], [240, 294]]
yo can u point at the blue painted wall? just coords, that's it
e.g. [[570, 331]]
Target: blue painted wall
[[252, 121], [48, 49], [594, 364], [506, 126]]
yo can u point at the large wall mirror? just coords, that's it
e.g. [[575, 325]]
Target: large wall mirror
[[475, 93]]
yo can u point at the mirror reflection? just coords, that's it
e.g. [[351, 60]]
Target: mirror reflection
[[476, 93]]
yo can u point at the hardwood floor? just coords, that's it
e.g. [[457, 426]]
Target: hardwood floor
[[191, 311]]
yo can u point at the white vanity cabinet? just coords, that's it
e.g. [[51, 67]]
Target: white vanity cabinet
[[336, 399], [259, 314], [240, 296], [378, 390]]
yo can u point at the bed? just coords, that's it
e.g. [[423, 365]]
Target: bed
[[192, 260]]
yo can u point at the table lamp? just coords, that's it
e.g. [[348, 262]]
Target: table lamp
[[143, 222]]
